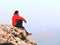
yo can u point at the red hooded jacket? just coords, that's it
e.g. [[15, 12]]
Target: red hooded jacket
[[15, 18]]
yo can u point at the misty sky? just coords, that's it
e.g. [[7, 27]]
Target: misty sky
[[41, 15]]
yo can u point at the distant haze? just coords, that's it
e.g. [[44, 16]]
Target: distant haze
[[43, 17]]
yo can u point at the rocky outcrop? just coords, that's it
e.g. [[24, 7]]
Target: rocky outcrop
[[10, 35]]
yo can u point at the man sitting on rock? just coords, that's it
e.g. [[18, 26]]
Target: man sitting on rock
[[18, 20]]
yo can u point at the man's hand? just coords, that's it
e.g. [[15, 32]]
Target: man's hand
[[25, 21]]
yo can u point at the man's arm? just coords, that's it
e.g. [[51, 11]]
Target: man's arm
[[21, 18]]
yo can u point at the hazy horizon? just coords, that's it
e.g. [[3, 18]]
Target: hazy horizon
[[43, 18]]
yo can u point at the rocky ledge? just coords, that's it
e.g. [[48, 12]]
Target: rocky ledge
[[10, 35]]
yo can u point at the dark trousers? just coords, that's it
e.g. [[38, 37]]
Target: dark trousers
[[19, 25]]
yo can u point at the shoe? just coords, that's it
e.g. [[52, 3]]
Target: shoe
[[29, 34]]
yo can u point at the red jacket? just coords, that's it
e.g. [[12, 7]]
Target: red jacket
[[15, 18]]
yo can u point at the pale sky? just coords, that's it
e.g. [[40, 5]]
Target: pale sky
[[40, 14]]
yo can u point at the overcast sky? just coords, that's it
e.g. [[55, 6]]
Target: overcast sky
[[41, 15]]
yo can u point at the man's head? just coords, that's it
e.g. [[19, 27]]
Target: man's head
[[16, 12]]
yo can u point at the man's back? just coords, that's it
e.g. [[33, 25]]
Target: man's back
[[15, 18]]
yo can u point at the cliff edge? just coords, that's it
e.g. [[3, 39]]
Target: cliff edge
[[10, 35]]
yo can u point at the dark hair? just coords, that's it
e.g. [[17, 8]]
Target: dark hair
[[16, 12]]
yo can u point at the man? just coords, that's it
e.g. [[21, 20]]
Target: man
[[17, 21]]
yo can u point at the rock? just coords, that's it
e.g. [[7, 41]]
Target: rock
[[10, 35]]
